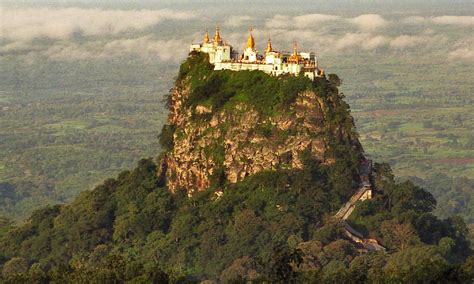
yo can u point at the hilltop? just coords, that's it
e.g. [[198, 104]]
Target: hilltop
[[254, 170], [230, 125]]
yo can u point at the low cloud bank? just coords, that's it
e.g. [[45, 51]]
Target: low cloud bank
[[28, 24], [365, 22], [51, 33], [54, 33], [237, 21], [441, 20], [369, 22]]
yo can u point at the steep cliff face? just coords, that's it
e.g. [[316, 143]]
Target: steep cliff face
[[227, 128]]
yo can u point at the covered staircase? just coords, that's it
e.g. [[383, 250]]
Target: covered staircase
[[363, 192]]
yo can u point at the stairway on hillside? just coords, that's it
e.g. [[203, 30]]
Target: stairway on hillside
[[363, 192]]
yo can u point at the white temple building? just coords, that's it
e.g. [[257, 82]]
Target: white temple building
[[224, 56]]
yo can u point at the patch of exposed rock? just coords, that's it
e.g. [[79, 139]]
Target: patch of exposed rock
[[236, 142]]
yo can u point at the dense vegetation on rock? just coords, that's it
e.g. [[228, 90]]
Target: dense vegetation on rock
[[266, 94], [274, 225]]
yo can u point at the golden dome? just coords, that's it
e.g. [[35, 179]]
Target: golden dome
[[269, 46], [250, 40], [206, 37], [217, 35]]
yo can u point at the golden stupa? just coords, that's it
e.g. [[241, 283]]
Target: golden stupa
[[250, 40], [269, 46]]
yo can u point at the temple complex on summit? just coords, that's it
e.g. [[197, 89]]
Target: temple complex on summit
[[224, 56]]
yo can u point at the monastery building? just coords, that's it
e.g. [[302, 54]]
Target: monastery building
[[224, 56]]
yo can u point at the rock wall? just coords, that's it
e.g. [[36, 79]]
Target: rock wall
[[236, 142]]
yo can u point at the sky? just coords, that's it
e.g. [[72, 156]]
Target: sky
[[71, 31]]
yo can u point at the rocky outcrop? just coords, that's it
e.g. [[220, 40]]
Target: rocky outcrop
[[225, 130], [236, 142]]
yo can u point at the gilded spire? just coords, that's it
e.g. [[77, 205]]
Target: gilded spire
[[206, 37], [217, 35], [294, 57], [269, 45], [250, 40]]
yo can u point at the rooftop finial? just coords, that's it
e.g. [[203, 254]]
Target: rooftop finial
[[250, 40], [217, 35], [269, 45], [206, 37]]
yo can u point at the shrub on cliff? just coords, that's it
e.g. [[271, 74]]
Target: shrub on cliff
[[267, 94]]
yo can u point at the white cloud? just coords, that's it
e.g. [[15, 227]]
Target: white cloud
[[441, 20], [278, 22], [368, 37], [169, 50], [365, 41], [369, 22], [70, 52], [374, 42], [237, 21], [109, 33], [454, 20], [145, 47], [405, 41], [349, 40], [313, 29], [112, 33], [31, 23], [301, 22], [309, 20]]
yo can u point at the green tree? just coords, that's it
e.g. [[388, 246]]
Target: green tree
[[397, 235], [468, 268], [335, 272], [166, 136], [37, 275], [241, 270], [15, 267], [407, 196], [5, 225], [279, 266], [415, 265], [368, 267]]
